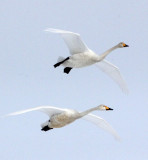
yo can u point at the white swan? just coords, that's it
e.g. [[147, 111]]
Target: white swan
[[82, 56], [61, 117]]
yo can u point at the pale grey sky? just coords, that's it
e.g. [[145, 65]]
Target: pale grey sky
[[28, 79]]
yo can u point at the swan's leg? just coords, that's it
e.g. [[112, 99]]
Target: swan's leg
[[67, 70], [46, 128], [59, 63]]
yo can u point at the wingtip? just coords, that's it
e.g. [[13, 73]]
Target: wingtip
[[45, 30], [4, 116], [53, 30], [49, 30], [117, 138], [125, 91]]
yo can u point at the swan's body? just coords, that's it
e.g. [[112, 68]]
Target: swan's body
[[82, 56], [61, 117], [81, 60]]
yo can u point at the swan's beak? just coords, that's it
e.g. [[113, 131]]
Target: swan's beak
[[110, 109], [125, 45], [107, 108]]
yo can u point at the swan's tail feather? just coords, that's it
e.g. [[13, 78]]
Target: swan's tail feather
[[60, 59], [44, 124]]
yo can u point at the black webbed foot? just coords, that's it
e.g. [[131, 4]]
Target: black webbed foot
[[59, 63], [67, 70], [46, 128]]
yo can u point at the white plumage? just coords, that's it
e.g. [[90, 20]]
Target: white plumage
[[82, 56], [61, 117]]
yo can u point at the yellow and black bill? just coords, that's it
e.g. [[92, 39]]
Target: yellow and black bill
[[125, 45], [107, 108]]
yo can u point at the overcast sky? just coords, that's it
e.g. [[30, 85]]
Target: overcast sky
[[28, 79]]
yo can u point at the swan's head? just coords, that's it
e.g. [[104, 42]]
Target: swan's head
[[122, 44], [104, 107]]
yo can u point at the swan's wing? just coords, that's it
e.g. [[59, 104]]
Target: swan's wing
[[113, 71], [73, 40], [49, 110], [100, 122]]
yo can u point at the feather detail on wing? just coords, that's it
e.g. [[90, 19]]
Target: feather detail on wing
[[113, 72], [49, 110], [73, 41], [100, 122]]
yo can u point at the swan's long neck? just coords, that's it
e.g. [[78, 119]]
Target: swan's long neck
[[88, 111], [103, 55]]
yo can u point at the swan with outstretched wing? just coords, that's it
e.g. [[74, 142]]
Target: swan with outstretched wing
[[61, 117], [82, 56]]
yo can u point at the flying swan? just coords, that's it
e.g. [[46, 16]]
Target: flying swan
[[61, 117], [82, 56]]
